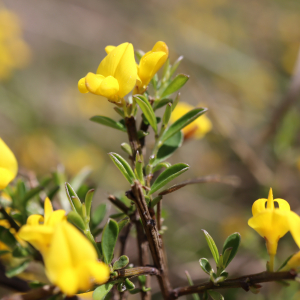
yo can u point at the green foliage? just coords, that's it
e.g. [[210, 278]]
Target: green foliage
[[178, 82], [109, 239], [169, 147], [76, 220], [17, 270], [7, 237], [108, 122], [126, 148], [205, 266], [147, 110], [212, 246], [88, 201], [183, 122], [168, 175], [123, 223], [233, 242], [73, 198], [161, 103], [215, 295], [98, 215], [123, 166], [121, 262], [101, 291]]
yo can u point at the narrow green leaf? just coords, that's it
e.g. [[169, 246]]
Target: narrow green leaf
[[3, 252], [88, 201], [75, 219], [178, 82], [147, 110], [33, 192], [109, 239], [17, 270], [51, 194], [98, 214], [20, 251], [121, 262], [167, 114], [226, 256], [108, 122], [166, 71], [183, 122], [126, 148], [205, 265], [169, 147], [139, 164], [212, 246], [215, 295], [175, 102], [161, 103], [7, 237], [142, 134], [123, 223], [120, 112], [175, 65], [233, 241], [284, 263], [101, 291], [129, 285], [168, 175], [189, 278], [155, 201], [123, 166], [161, 165], [73, 198], [117, 216]]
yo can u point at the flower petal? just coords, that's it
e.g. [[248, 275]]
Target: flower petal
[[109, 48], [259, 206], [283, 204], [8, 165], [108, 87], [35, 220], [294, 223], [48, 209], [93, 81], [81, 86], [56, 217]]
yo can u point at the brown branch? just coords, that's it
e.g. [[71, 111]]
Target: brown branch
[[153, 237], [118, 203], [124, 237], [243, 282], [132, 136], [132, 272]]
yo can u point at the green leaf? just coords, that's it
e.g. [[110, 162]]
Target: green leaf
[[33, 192], [142, 134], [51, 194], [205, 265], [129, 285], [147, 110], [189, 278], [3, 252], [168, 175], [233, 241], [225, 256], [161, 103], [73, 198], [123, 223], [139, 164], [17, 270], [120, 112], [20, 251], [109, 239], [7, 237], [215, 295], [175, 65], [88, 201], [155, 201], [126, 147], [284, 263], [108, 122], [177, 83], [98, 214], [123, 166], [212, 246], [167, 114], [169, 147], [161, 165], [101, 291], [121, 262], [75, 219], [183, 122]]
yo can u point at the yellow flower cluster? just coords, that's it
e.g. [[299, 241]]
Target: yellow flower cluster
[[70, 259], [118, 74], [273, 223], [14, 52]]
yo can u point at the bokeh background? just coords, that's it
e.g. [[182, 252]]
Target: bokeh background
[[242, 59]]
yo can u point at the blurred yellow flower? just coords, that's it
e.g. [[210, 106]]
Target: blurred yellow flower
[[196, 129], [39, 230], [270, 222], [71, 262], [116, 75], [8, 165], [14, 52], [149, 65]]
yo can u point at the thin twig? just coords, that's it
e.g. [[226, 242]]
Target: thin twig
[[153, 237], [137, 271], [132, 136], [241, 282], [11, 221], [118, 203]]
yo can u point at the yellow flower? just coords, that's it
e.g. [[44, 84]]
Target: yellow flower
[[116, 75], [38, 230], [196, 129], [8, 165], [71, 262], [149, 65], [270, 222]]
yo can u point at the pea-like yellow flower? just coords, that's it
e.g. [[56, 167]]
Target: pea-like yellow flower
[[196, 129], [71, 262], [270, 222], [149, 65], [8, 165], [116, 75], [39, 230]]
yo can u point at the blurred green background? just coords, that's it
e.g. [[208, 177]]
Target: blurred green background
[[241, 56]]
